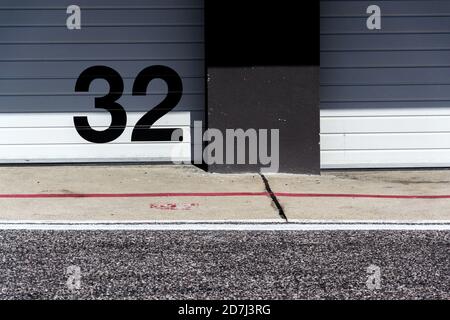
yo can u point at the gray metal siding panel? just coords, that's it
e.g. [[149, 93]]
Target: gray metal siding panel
[[386, 76], [69, 69], [342, 8], [386, 59], [101, 34], [40, 59], [391, 24], [126, 51], [52, 103], [383, 91], [407, 61], [100, 4], [378, 41], [192, 17]]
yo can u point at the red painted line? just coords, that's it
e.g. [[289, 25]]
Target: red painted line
[[215, 194], [367, 196], [131, 195]]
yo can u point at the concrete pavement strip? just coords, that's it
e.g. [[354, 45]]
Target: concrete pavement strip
[[375, 183], [126, 180], [177, 193]]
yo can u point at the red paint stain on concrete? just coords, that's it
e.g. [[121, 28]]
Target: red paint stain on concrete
[[174, 206]]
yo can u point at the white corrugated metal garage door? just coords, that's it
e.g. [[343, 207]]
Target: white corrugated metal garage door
[[41, 61], [385, 94]]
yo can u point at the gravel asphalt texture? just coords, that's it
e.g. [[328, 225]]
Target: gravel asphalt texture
[[224, 264]]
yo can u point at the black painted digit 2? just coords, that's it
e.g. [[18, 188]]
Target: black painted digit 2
[[142, 130]]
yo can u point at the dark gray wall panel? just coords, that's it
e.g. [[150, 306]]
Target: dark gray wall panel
[[260, 77], [284, 98]]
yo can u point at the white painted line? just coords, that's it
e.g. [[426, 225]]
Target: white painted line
[[177, 226], [248, 221], [373, 221]]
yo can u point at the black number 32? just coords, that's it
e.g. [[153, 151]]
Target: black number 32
[[142, 131]]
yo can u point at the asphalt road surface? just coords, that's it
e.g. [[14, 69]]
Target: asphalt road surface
[[224, 265]]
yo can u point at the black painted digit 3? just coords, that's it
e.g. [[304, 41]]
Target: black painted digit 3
[[108, 102], [142, 130]]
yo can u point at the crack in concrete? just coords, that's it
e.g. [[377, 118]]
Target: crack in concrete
[[274, 198]]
